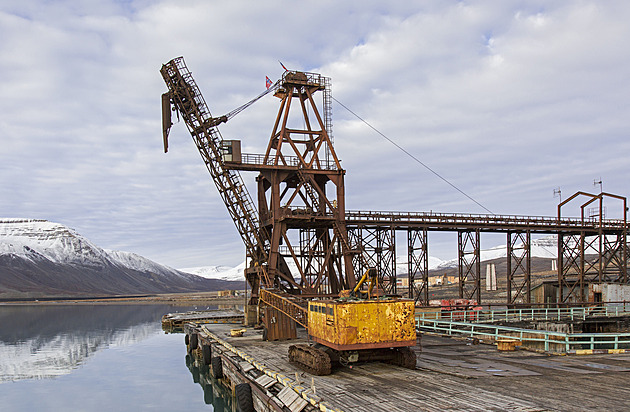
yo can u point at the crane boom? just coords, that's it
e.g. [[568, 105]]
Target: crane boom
[[186, 98]]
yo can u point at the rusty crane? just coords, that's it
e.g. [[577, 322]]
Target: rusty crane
[[299, 221], [302, 243], [294, 202]]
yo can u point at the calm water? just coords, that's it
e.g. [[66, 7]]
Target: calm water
[[96, 358]]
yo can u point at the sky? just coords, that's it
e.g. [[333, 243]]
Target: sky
[[508, 101]]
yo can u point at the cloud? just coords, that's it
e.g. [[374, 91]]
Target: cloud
[[507, 101]]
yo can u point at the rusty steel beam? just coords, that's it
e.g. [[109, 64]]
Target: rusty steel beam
[[452, 222], [570, 269], [418, 265], [519, 267], [293, 307], [469, 268], [376, 248]]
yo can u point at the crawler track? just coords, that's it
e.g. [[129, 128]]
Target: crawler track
[[312, 360], [405, 357]]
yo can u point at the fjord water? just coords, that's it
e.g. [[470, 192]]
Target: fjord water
[[94, 358]]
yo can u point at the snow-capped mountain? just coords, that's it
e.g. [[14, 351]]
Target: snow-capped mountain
[[41, 239], [218, 272], [136, 262], [402, 265], [39, 258]]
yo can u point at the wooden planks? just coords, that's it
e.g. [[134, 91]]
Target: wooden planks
[[476, 378]]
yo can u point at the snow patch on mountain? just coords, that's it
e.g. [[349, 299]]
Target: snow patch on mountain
[[42, 258], [33, 239], [40, 239], [237, 273], [218, 272], [402, 265], [137, 262]]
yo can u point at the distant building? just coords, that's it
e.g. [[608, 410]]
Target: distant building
[[403, 281], [547, 292], [442, 280]]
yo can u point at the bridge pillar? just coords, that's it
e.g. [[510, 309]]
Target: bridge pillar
[[519, 267], [468, 246], [418, 265]]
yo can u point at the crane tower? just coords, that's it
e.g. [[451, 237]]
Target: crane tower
[[296, 239]]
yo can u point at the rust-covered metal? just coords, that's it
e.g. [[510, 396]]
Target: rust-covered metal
[[291, 306], [278, 326], [362, 324], [166, 119], [298, 218]]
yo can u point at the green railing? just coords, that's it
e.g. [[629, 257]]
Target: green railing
[[525, 314], [550, 341], [471, 324]]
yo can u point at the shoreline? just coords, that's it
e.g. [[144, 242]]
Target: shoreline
[[176, 299]]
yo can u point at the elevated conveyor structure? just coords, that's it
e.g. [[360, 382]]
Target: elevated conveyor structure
[[301, 240], [589, 249]]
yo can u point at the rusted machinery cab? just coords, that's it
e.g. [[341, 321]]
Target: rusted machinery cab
[[357, 330], [362, 324]]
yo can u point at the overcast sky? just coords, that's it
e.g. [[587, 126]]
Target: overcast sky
[[508, 100]]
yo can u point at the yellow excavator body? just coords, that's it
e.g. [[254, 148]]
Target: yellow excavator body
[[362, 324]]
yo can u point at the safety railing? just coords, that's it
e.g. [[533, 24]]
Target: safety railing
[[549, 341], [488, 220], [525, 314], [291, 306], [290, 161]]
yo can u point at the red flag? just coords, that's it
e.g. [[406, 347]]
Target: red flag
[[268, 82], [285, 69]]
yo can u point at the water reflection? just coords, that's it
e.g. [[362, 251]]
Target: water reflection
[[214, 393], [47, 341]]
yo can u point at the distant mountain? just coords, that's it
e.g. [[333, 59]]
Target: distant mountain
[[545, 247], [236, 273], [40, 258], [218, 272]]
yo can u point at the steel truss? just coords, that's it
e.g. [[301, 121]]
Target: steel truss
[[519, 267], [306, 221], [593, 256], [468, 246], [376, 248], [610, 262], [418, 265]]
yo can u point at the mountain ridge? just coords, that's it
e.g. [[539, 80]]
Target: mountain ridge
[[39, 258]]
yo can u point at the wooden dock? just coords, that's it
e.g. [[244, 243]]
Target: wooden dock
[[174, 322], [451, 375]]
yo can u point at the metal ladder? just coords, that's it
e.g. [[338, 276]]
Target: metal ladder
[[187, 98]]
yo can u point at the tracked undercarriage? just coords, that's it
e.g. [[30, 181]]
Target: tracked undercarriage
[[311, 359], [318, 359]]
